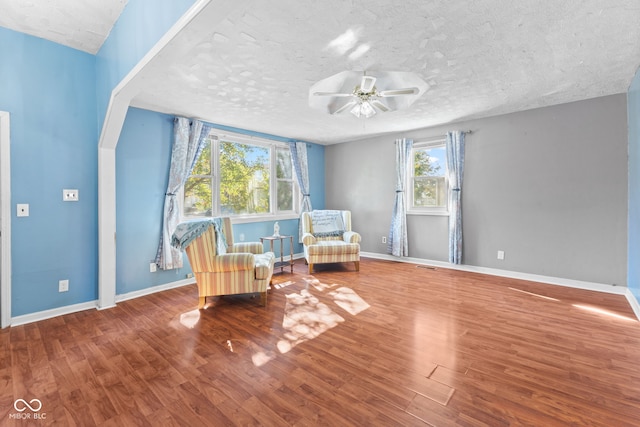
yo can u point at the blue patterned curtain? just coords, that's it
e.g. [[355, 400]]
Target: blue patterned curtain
[[398, 243], [188, 142], [301, 168], [455, 167]]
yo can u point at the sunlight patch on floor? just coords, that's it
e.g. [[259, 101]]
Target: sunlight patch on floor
[[261, 358], [190, 319], [283, 284], [534, 295], [305, 317], [604, 312], [317, 284], [349, 301]]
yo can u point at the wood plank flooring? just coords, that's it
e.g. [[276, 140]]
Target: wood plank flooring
[[394, 344]]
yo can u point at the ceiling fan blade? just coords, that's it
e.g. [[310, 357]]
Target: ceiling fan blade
[[331, 94], [366, 85], [379, 105], [399, 92], [345, 107]]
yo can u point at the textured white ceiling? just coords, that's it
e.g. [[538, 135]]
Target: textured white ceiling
[[254, 68], [80, 24]]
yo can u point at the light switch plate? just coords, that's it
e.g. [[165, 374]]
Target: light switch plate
[[70, 195], [22, 209]]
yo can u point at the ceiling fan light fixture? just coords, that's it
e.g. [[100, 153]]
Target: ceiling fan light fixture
[[364, 109], [362, 94]]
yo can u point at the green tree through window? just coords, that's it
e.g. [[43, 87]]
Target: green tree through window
[[237, 178], [428, 178], [244, 179]]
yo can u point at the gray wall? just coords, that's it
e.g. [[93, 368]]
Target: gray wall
[[547, 186]]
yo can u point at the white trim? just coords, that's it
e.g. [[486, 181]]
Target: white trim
[[633, 302], [428, 213], [54, 312], [61, 311], [263, 218], [263, 141], [591, 286], [5, 205], [119, 101], [154, 289]]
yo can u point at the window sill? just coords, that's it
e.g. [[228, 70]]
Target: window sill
[[252, 218], [263, 218], [428, 213]]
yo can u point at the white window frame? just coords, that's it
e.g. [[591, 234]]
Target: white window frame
[[411, 209], [216, 137]]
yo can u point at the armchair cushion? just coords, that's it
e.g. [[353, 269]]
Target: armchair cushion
[[337, 250]]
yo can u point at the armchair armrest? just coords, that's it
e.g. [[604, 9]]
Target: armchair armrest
[[233, 262], [308, 239], [250, 247], [351, 237]]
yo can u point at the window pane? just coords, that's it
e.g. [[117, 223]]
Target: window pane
[[430, 162], [203, 164], [197, 197], [284, 164], [285, 195], [429, 192], [244, 178]]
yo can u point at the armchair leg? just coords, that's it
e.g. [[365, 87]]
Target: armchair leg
[[357, 263], [201, 302], [310, 268], [263, 299]]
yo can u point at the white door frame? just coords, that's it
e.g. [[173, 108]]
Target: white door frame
[[5, 224]]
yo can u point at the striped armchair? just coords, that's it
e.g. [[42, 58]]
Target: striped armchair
[[327, 238], [244, 268]]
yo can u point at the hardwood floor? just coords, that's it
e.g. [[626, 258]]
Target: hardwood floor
[[392, 345]]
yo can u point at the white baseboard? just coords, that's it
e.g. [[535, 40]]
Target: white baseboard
[[620, 290], [592, 286], [633, 302], [68, 309], [54, 312], [154, 289]]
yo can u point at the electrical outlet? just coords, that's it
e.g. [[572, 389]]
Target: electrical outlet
[[189, 275], [152, 267], [500, 255], [22, 209], [384, 239], [70, 195], [63, 286]]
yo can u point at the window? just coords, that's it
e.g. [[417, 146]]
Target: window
[[242, 177], [428, 184]]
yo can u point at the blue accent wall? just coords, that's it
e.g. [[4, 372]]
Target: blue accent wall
[[140, 26], [57, 98], [143, 156], [49, 91], [633, 224]]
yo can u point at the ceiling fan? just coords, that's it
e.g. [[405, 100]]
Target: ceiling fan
[[366, 99]]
